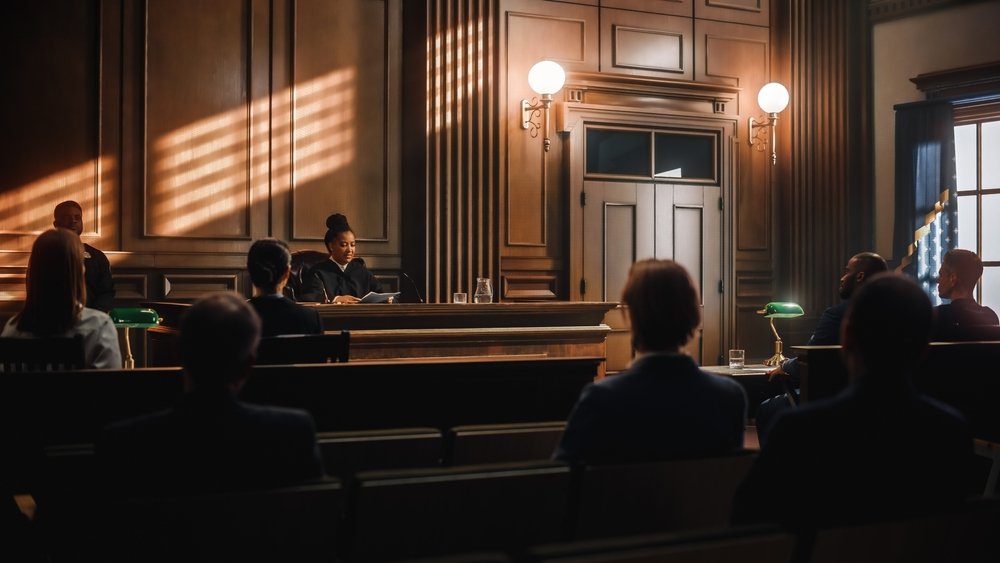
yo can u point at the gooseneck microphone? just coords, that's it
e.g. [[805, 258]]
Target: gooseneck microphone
[[414, 284], [322, 285]]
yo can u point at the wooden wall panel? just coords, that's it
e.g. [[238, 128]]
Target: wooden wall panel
[[339, 119], [530, 38], [647, 44], [668, 7], [451, 122], [197, 119], [755, 12], [58, 132], [827, 196]]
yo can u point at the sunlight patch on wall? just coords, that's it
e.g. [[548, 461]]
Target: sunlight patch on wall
[[27, 209], [200, 174]]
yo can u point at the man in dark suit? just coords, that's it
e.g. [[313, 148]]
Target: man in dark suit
[[961, 318], [270, 264], [878, 449], [859, 269], [210, 440], [97, 269], [662, 406]]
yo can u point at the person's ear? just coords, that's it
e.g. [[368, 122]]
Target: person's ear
[[860, 276]]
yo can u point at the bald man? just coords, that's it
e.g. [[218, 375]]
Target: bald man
[[97, 269]]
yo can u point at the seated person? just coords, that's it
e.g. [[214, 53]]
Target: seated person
[[957, 278], [662, 406], [343, 278], [878, 449], [210, 440], [270, 263], [55, 297], [100, 284], [860, 268]]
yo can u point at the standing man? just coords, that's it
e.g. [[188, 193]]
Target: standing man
[[960, 272], [97, 269]]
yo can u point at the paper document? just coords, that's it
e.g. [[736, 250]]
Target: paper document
[[373, 297]]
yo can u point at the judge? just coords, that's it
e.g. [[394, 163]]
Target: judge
[[343, 278]]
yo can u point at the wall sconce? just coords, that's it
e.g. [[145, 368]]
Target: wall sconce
[[545, 78], [773, 99], [779, 310]]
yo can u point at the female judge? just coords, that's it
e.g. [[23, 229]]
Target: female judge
[[270, 263], [55, 297], [343, 278]]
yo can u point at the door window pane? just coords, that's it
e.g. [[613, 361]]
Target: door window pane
[[685, 156], [619, 152], [965, 157]]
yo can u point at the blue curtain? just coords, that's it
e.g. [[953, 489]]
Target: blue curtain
[[926, 224]]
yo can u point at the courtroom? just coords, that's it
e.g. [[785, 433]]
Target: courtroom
[[500, 281]]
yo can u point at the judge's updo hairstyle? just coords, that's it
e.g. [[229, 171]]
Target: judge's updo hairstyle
[[267, 261], [335, 224]]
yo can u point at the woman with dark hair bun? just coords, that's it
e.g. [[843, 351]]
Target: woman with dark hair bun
[[269, 263], [343, 278]]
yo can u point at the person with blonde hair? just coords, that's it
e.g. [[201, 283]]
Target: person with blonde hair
[[55, 301], [663, 406]]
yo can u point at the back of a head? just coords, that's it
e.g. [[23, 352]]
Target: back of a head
[[966, 265], [54, 283], [336, 224], [663, 305], [888, 324], [218, 341], [871, 263], [267, 261]]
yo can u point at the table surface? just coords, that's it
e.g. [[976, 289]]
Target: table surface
[[749, 369]]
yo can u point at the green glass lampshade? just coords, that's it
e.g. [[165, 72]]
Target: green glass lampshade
[[134, 317], [781, 310]]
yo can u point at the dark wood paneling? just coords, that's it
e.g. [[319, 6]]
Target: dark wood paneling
[[53, 117], [339, 114], [197, 119], [738, 55], [755, 12], [647, 44], [453, 177], [667, 7], [179, 286], [826, 203]]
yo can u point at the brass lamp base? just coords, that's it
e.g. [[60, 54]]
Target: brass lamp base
[[778, 358]]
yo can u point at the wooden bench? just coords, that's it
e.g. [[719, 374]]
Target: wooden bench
[[961, 374], [499, 443], [73, 407], [304, 348], [507, 507], [743, 545], [674, 495], [41, 354], [346, 453]]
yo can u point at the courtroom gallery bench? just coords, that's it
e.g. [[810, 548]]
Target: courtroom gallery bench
[[73, 407], [964, 375]]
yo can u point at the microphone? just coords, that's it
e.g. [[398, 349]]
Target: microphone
[[414, 284], [322, 285]]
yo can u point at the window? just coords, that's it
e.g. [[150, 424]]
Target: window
[[682, 156], [977, 165]]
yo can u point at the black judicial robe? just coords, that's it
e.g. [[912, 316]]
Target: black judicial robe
[[97, 276], [355, 280]]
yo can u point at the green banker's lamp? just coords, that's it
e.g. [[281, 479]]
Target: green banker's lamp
[[779, 310], [133, 317]]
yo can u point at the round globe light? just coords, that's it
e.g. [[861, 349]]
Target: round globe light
[[772, 98], [546, 77]]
